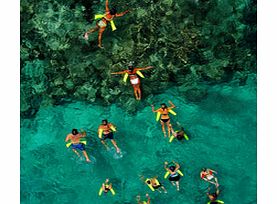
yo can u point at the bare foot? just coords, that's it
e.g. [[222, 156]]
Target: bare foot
[[86, 36], [100, 46], [118, 150]]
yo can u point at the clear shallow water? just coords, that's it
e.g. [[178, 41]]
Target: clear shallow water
[[222, 132]]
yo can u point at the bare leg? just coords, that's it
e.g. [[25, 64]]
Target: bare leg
[[135, 92], [139, 94], [164, 189], [115, 145], [163, 129], [100, 34], [86, 156], [178, 185], [76, 152], [216, 181], [90, 31], [172, 183], [168, 127], [104, 143]]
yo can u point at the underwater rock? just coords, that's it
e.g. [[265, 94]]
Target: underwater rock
[[194, 94], [86, 91], [187, 42], [68, 83]]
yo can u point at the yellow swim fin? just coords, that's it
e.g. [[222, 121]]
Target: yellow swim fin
[[140, 74], [172, 112], [166, 174], [100, 191], [100, 133], [113, 25], [112, 191], [171, 138], [158, 116], [125, 77]]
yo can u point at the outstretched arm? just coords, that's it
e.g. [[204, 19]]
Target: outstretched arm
[[67, 138], [148, 198], [122, 72], [213, 171], [177, 166], [149, 67], [107, 6], [83, 133], [122, 13], [165, 166], [172, 105], [153, 109]]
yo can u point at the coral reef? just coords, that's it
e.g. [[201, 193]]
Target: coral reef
[[190, 43]]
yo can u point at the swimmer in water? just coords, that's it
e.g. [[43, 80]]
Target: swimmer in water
[[106, 129], [75, 139], [102, 24]]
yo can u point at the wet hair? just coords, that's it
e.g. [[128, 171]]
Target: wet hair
[[214, 195], [204, 169], [105, 120], [182, 129], [131, 65], [163, 104], [130, 68], [172, 168], [74, 132], [148, 181], [113, 11]]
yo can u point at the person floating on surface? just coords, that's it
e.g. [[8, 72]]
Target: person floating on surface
[[102, 23], [179, 134], [106, 187], [174, 173], [208, 175], [213, 197], [106, 129], [133, 73], [74, 140], [143, 202], [154, 184], [163, 114]]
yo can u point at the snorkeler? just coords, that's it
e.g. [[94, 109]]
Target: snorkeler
[[174, 173], [143, 202], [106, 129], [208, 175], [102, 23], [213, 197], [164, 113], [133, 73], [106, 187], [76, 142], [154, 184], [179, 134]]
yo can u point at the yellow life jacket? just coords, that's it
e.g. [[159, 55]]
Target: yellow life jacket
[[125, 77], [82, 140], [159, 114], [98, 16], [150, 185], [101, 190]]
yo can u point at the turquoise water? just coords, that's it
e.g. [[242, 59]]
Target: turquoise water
[[222, 130]]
